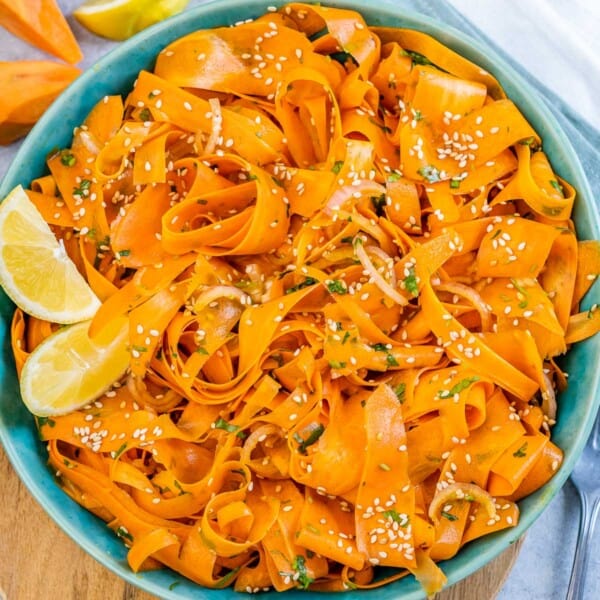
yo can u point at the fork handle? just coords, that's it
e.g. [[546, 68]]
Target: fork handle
[[589, 514]]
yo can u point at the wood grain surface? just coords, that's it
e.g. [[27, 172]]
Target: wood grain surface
[[40, 562]]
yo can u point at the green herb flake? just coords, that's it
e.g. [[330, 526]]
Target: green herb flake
[[345, 338], [559, 188], [145, 114], [83, 189], [411, 285], [530, 141], [299, 566], [379, 347], [336, 364], [391, 360], [347, 240], [337, 166], [201, 350], [315, 433], [418, 58], [400, 391], [454, 184], [393, 177], [462, 385], [123, 534], [67, 158], [430, 173], [337, 287], [379, 203], [221, 423], [552, 211], [174, 585], [303, 284], [117, 453], [521, 452], [46, 421], [449, 516]]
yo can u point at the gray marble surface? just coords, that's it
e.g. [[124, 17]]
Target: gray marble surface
[[558, 42]]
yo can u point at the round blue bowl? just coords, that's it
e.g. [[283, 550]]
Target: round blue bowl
[[115, 74]]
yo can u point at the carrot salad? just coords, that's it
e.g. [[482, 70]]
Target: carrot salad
[[347, 267]]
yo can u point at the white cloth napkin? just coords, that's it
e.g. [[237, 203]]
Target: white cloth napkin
[[556, 41]]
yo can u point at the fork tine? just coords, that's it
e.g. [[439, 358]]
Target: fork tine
[[595, 435]]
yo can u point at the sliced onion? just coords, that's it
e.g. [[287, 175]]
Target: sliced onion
[[467, 292], [220, 291], [549, 406], [387, 260], [216, 125], [461, 491], [344, 195], [88, 140], [378, 280]]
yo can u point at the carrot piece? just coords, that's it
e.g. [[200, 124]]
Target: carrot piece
[[42, 24], [34, 85]]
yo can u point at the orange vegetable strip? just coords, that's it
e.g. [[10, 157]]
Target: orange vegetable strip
[[42, 24], [35, 84]]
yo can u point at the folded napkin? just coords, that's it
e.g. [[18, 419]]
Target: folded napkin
[[583, 136]]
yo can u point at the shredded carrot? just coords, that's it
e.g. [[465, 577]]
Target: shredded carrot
[[34, 85], [42, 24], [328, 239]]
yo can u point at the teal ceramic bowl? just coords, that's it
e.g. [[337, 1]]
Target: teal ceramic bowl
[[115, 74]]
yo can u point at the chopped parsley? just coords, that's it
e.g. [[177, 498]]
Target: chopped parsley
[[418, 58], [378, 203], [454, 184], [394, 177], [118, 452], [67, 158], [145, 114], [308, 281], [337, 287], [530, 141], [123, 534], [521, 452], [379, 347], [337, 364], [400, 391], [430, 173], [337, 166], [201, 350], [559, 188], [391, 360], [449, 516], [299, 566], [462, 385], [411, 284], [46, 421], [221, 423], [316, 431], [83, 189]]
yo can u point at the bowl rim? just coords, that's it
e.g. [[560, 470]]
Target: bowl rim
[[449, 35]]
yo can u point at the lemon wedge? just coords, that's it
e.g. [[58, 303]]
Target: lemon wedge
[[69, 370], [35, 270], [120, 19]]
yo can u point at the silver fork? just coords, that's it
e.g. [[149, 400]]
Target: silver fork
[[586, 479]]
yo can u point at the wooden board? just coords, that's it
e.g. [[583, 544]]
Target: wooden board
[[38, 560]]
